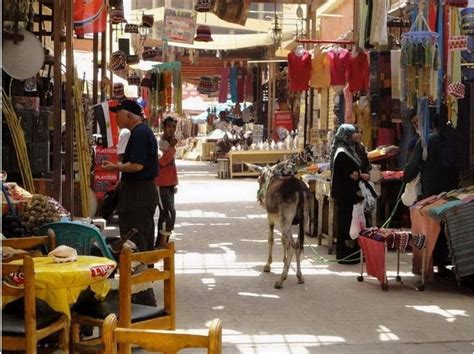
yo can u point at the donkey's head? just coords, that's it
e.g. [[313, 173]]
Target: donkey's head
[[264, 177]]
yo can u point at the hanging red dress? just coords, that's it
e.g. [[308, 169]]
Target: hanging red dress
[[299, 71]]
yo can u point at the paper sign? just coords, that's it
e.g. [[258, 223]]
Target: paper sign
[[179, 26]]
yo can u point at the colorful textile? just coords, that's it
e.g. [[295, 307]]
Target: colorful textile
[[59, 284], [459, 231], [299, 71], [233, 83], [241, 78], [357, 73], [224, 84], [320, 71], [374, 253], [425, 225], [348, 97], [364, 122], [338, 65]]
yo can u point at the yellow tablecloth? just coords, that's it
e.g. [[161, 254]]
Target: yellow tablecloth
[[59, 284]]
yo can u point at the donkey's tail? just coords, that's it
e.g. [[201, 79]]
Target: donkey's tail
[[301, 217]]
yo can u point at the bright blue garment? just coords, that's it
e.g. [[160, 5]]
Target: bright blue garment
[[233, 83], [423, 114]]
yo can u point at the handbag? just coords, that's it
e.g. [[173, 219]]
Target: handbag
[[110, 202]]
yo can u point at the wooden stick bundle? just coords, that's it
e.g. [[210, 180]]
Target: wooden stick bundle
[[18, 142]]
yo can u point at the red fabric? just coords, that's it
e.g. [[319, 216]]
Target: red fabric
[[357, 73], [374, 253], [299, 71], [114, 129], [338, 61], [385, 136], [422, 223], [89, 16], [168, 176], [432, 14]]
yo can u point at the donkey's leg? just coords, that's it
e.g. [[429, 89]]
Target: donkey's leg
[[271, 227], [299, 275], [287, 261]]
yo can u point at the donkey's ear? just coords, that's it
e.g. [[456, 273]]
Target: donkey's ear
[[279, 166], [254, 168]]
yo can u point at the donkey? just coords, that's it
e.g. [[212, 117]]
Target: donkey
[[286, 200]]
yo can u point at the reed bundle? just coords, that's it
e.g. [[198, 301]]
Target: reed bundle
[[82, 146], [18, 142]]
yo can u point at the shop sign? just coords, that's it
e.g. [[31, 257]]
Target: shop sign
[[282, 125], [179, 26]]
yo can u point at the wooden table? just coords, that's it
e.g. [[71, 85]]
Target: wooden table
[[59, 284], [260, 157]]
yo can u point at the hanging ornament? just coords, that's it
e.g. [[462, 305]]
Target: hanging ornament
[[203, 5], [203, 34]]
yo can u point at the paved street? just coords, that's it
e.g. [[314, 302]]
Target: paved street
[[221, 248]]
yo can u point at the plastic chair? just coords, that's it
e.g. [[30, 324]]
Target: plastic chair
[[81, 237]]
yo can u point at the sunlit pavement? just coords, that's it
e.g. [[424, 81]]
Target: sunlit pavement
[[221, 245]]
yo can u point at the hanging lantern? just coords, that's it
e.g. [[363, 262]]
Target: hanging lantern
[[203, 34], [203, 5]]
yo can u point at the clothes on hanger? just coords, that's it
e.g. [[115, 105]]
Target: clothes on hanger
[[224, 83], [320, 70], [338, 61], [357, 72], [299, 71]]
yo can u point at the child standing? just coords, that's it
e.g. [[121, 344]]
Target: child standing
[[166, 182]]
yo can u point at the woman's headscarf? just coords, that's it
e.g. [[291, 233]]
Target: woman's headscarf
[[343, 140]]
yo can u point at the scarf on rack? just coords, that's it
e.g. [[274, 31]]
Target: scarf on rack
[[343, 143]]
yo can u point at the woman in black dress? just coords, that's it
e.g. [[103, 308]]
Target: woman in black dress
[[345, 167]]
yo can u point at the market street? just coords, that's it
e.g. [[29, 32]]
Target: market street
[[221, 243]]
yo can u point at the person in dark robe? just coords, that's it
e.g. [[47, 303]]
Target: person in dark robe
[[346, 173]]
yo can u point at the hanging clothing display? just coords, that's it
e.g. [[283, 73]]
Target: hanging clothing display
[[378, 29], [362, 119], [166, 87], [299, 70], [395, 73], [224, 84], [241, 78], [348, 97], [419, 63], [363, 12], [357, 72], [249, 94], [233, 83], [320, 70], [338, 65]]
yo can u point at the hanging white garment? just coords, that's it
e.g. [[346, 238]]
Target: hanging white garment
[[378, 30]]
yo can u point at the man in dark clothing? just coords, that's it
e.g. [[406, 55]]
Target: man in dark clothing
[[435, 179], [430, 169], [138, 196]]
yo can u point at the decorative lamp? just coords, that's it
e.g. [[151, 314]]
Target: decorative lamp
[[276, 32]]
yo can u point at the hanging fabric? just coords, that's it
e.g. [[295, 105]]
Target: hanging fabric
[[224, 83], [419, 62]]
